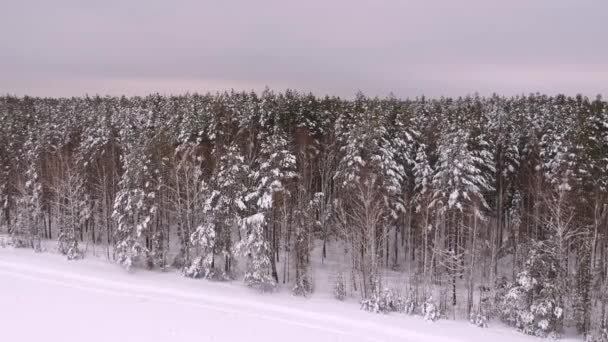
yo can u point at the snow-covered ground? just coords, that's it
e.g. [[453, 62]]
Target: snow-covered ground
[[45, 297]]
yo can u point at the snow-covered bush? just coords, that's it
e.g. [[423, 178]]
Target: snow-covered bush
[[501, 308], [392, 300], [157, 255], [68, 245], [129, 252], [130, 249], [204, 239], [20, 233], [430, 311], [409, 304], [481, 316], [479, 320], [533, 303], [371, 304], [303, 287], [340, 287], [384, 301], [5, 241], [200, 267], [257, 249]]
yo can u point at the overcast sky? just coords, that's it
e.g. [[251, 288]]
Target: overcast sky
[[77, 47]]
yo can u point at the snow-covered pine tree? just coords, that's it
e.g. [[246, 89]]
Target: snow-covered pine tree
[[29, 221], [203, 239], [222, 211], [257, 249], [275, 168], [134, 205], [188, 192], [302, 222], [503, 128], [6, 134], [423, 176], [461, 178], [70, 205], [533, 303], [229, 206], [371, 177]]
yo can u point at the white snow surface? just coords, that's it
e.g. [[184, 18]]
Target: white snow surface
[[44, 297]]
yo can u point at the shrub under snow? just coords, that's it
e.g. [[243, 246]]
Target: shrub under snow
[[430, 311], [384, 301], [340, 287], [479, 320], [533, 303]]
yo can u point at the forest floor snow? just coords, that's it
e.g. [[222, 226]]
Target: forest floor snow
[[45, 297]]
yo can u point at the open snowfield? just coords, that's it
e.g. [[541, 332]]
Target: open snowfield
[[95, 301]]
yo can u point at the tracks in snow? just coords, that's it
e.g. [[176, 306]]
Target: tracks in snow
[[143, 290]]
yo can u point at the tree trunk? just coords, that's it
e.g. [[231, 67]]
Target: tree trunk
[[472, 266]]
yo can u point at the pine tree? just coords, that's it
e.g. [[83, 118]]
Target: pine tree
[[257, 250], [274, 169], [134, 206], [229, 206], [423, 176], [71, 206], [204, 240], [28, 224]]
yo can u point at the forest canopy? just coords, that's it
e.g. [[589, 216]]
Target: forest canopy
[[504, 197]]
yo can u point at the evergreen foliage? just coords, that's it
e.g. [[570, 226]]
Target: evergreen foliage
[[504, 194]]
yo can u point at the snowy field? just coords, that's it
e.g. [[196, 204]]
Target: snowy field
[[95, 301]]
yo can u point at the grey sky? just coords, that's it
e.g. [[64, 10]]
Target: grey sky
[[74, 47]]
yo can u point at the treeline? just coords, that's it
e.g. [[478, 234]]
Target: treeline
[[505, 198]]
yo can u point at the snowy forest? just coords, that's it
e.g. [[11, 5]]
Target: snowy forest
[[492, 208]]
